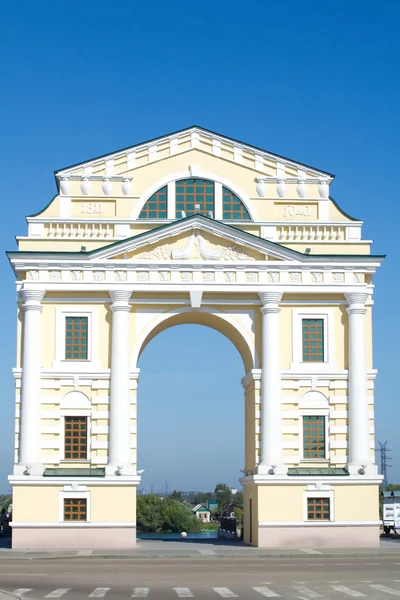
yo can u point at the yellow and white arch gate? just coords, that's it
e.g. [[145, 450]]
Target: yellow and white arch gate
[[195, 227]]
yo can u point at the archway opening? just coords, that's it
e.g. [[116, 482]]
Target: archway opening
[[191, 417]]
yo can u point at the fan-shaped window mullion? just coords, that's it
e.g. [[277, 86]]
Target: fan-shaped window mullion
[[232, 207], [156, 206]]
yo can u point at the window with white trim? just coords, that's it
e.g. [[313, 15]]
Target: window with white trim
[[318, 505], [194, 196], [312, 339], [76, 338], [74, 504]]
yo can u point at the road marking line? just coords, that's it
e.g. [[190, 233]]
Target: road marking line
[[348, 591], [264, 591], [99, 592], [58, 593], [183, 592], [384, 588], [225, 592], [344, 564], [307, 592], [309, 551], [21, 591], [84, 553], [140, 592]]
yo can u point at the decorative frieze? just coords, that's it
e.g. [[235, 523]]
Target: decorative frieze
[[295, 277], [316, 277], [338, 277]]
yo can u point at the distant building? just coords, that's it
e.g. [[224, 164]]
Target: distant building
[[202, 512]]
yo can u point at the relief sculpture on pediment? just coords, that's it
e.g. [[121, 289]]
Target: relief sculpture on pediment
[[159, 252], [196, 248]]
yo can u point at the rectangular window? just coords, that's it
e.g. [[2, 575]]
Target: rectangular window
[[75, 445], [313, 437], [76, 338], [75, 509], [318, 509], [313, 340]]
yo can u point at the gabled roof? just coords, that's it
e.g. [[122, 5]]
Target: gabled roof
[[201, 507], [187, 130]]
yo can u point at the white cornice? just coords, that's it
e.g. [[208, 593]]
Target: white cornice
[[292, 480], [214, 137]]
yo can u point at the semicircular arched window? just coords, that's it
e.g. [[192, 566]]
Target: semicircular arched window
[[232, 207], [156, 206], [196, 196]]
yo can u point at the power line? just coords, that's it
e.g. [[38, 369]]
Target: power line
[[384, 450]]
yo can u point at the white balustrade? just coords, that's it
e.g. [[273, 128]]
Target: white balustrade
[[310, 233], [79, 230]]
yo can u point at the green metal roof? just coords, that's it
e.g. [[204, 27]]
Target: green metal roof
[[324, 472], [75, 472]]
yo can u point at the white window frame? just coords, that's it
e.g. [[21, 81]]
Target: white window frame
[[318, 494], [73, 495], [327, 316], [76, 413], [315, 412], [60, 361]]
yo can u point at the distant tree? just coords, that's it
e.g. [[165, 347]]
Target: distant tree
[[202, 498], [238, 498], [156, 515], [223, 495], [393, 487], [5, 501], [176, 496]]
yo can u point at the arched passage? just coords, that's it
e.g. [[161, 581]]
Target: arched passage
[[233, 439], [239, 332]]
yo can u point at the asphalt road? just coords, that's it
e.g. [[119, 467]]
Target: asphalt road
[[306, 578]]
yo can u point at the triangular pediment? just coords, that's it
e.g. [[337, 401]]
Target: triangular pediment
[[196, 239]]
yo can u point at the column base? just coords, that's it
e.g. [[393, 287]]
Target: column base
[[28, 469], [357, 469], [271, 470], [121, 470]]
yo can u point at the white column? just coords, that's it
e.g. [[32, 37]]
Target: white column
[[271, 461], [30, 452], [119, 448], [359, 446]]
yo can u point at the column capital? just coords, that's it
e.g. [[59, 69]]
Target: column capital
[[270, 301], [31, 299], [356, 301], [120, 300]]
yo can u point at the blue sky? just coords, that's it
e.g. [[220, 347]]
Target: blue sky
[[315, 81]]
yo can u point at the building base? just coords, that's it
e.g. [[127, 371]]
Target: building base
[[74, 537], [320, 536]]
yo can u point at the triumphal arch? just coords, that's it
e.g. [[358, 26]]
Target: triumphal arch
[[195, 227]]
